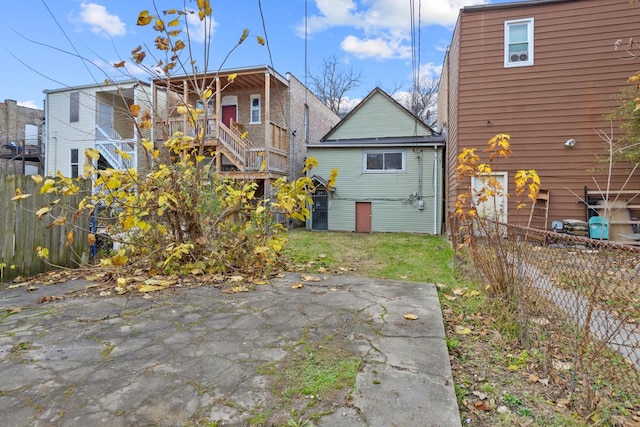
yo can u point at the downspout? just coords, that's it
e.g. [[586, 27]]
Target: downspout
[[435, 190]]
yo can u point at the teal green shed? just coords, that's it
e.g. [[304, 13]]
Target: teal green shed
[[390, 172]]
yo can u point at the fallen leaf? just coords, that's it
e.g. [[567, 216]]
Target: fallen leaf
[[561, 366], [148, 288], [482, 406], [533, 378], [259, 282], [563, 403], [14, 310], [410, 316], [472, 294], [480, 395], [159, 282], [404, 277], [309, 278], [540, 321], [450, 297], [50, 298], [236, 279], [462, 330], [513, 367], [544, 381], [297, 285], [458, 291]]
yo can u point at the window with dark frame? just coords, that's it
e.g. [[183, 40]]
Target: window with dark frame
[[74, 163], [74, 107], [255, 109], [392, 161]]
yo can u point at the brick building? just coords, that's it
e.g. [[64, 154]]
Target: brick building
[[20, 138]]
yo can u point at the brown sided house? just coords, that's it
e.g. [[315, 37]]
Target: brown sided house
[[546, 73], [258, 122]]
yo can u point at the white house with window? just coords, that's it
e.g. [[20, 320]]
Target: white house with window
[[94, 116], [390, 171]]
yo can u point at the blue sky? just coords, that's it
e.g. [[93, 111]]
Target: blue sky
[[50, 44]]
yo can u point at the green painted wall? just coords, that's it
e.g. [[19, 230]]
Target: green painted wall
[[392, 209], [379, 117]]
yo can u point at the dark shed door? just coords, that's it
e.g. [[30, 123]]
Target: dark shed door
[[320, 213]]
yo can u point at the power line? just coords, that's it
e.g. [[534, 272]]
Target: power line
[[264, 28]]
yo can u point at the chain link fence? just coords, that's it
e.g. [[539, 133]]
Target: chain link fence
[[576, 302]]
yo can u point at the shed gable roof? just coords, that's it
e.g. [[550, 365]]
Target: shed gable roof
[[378, 116]]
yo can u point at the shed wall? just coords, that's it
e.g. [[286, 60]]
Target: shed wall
[[393, 210]]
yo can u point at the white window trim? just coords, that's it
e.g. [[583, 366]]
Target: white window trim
[[530, 50], [501, 199], [72, 164], [251, 109], [390, 151]]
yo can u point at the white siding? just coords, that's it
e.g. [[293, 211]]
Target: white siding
[[63, 135]]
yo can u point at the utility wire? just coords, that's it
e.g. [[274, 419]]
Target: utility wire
[[264, 28], [69, 40]]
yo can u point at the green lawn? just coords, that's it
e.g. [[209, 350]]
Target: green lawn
[[397, 256]]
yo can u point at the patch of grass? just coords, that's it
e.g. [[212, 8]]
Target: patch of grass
[[397, 256], [106, 351], [259, 418], [318, 370], [310, 381], [511, 400], [18, 351]]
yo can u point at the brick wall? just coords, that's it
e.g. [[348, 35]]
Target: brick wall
[[13, 119]]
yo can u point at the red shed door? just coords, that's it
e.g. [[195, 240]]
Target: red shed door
[[363, 217]]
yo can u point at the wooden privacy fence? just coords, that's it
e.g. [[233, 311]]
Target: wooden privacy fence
[[21, 231]]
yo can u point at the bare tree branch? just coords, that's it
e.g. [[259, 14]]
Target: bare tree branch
[[332, 84]]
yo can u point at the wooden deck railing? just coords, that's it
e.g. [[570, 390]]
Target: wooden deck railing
[[245, 155]]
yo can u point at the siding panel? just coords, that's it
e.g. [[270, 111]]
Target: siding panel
[[389, 193], [565, 94]]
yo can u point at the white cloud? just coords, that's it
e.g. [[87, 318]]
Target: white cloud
[[381, 28], [197, 28], [29, 104], [101, 21], [378, 48]]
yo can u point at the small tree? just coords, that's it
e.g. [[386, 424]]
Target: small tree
[[181, 216], [496, 265]]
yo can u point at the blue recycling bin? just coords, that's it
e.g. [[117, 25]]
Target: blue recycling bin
[[599, 228]]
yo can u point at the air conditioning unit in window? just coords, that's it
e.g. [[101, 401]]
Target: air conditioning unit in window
[[518, 57]]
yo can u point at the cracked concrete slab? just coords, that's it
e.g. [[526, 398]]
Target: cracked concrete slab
[[195, 355]]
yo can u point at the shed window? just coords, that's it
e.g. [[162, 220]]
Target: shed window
[[518, 43], [255, 109], [384, 161]]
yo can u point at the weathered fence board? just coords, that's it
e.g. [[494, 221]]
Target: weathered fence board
[[21, 231]]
